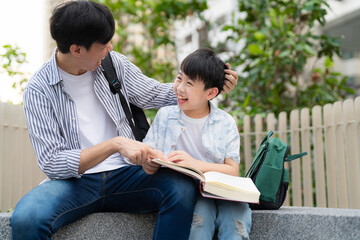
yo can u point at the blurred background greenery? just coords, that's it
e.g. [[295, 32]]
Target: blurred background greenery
[[283, 62]]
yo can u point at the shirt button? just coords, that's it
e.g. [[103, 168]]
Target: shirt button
[[172, 146], [73, 119], [76, 142]]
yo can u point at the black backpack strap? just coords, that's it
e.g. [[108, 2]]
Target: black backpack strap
[[115, 87]]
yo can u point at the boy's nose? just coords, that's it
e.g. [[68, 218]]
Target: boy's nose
[[180, 88]]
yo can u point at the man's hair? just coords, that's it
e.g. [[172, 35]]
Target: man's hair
[[82, 23], [204, 65]]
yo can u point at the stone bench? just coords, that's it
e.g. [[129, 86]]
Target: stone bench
[[285, 223]]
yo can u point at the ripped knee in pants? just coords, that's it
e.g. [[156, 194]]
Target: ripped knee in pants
[[197, 220], [241, 229]]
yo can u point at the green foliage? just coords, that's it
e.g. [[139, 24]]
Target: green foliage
[[281, 55], [9, 210], [145, 33], [152, 23], [10, 61]]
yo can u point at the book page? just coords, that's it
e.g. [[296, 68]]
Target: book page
[[192, 172], [230, 182], [230, 187]]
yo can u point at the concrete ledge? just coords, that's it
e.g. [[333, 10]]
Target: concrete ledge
[[285, 223], [5, 230]]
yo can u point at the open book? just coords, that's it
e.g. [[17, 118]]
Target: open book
[[219, 185]]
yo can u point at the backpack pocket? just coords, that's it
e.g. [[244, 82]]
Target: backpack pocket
[[268, 200], [268, 189]]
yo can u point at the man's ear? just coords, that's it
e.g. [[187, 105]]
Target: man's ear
[[75, 50], [213, 92]]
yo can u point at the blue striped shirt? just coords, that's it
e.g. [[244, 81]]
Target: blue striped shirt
[[52, 117]]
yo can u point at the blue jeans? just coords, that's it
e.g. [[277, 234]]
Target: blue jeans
[[54, 204], [231, 219]]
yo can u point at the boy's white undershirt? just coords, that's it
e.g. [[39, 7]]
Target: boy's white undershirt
[[95, 124], [190, 139]]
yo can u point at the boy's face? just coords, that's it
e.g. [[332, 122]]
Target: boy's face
[[192, 97]]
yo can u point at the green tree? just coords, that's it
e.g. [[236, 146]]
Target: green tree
[[281, 57], [145, 33], [145, 30], [11, 60]]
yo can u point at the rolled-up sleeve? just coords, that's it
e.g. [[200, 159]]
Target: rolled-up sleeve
[[54, 156], [143, 91]]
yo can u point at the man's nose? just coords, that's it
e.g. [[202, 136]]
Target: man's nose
[[110, 47]]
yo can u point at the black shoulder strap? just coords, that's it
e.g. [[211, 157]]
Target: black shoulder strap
[[115, 87]]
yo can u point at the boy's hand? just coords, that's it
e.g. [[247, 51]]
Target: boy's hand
[[182, 158], [231, 78]]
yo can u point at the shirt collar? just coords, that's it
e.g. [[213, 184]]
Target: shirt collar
[[213, 116], [55, 69]]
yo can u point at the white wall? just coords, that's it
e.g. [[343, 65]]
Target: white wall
[[340, 8]]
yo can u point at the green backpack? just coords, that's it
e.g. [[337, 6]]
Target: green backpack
[[268, 173]]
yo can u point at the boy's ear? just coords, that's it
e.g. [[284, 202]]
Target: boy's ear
[[75, 50], [213, 92]]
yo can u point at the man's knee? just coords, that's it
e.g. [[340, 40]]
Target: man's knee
[[182, 190], [26, 224], [185, 188]]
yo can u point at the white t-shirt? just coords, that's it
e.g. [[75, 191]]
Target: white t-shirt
[[190, 139], [95, 124]]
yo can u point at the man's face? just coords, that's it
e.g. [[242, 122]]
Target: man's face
[[192, 97], [91, 59]]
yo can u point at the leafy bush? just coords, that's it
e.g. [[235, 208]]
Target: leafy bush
[[10, 60], [281, 55]]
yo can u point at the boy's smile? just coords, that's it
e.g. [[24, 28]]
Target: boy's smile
[[181, 99], [192, 97]]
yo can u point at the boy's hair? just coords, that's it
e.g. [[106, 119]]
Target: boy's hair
[[204, 65], [81, 23]]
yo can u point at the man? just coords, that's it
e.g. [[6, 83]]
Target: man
[[83, 141]]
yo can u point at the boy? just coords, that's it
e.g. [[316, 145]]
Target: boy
[[196, 133], [83, 142]]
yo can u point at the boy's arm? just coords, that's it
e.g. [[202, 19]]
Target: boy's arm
[[182, 158]]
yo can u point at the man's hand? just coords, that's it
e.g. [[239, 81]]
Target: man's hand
[[149, 166], [139, 153], [135, 151], [231, 78]]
